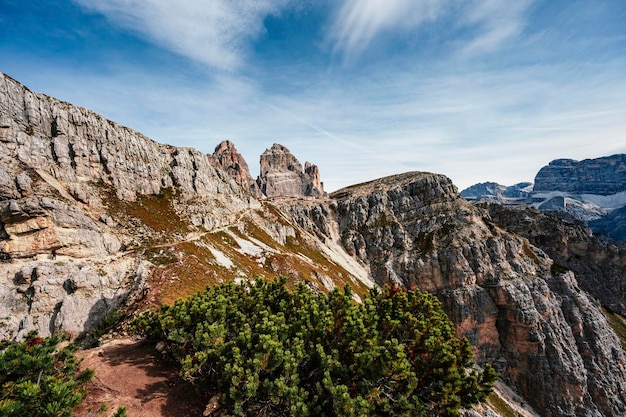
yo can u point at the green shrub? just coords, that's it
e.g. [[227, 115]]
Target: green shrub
[[39, 377], [266, 351]]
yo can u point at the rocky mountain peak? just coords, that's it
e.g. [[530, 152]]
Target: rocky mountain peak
[[601, 176], [227, 158], [282, 175]]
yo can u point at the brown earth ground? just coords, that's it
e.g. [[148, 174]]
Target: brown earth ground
[[132, 373]]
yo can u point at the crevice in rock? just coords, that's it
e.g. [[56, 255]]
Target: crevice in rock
[[53, 152], [104, 161], [55, 313], [72, 154], [30, 294], [54, 132]]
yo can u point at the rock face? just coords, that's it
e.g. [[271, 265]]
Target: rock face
[[601, 176], [533, 322], [599, 265], [227, 158], [65, 174], [282, 175]]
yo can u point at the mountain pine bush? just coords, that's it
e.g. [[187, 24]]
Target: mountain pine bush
[[267, 351], [40, 378]]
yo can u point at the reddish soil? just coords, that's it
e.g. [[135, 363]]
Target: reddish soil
[[132, 373]]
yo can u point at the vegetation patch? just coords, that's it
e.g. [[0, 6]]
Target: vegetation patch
[[157, 212], [40, 377], [500, 406], [618, 324], [263, 350]]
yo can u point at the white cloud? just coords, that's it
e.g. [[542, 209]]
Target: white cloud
[[497, 21], [358, 22], [213, 32]]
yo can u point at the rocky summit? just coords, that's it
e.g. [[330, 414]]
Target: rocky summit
[[227, 158], [282, 175], [98, 222]]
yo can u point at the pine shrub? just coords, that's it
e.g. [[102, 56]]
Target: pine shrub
[[40, 378], [267, 351]]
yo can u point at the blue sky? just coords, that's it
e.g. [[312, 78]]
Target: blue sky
[[477, 90]]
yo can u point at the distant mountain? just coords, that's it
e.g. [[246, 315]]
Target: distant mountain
[[488, 189], [601, 176], [590, 190], [613, 224]]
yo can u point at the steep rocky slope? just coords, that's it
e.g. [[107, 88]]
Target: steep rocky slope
[[599, 265], [96, 218], [543, 333]]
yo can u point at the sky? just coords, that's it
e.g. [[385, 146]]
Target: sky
[[478, 90]]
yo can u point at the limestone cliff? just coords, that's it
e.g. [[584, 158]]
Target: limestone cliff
[[534, 323], [599, 264], [282, 175], [227, 158], [602, 176], [65, 174]]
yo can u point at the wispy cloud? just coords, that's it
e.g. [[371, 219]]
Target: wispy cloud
[[215, 32], [496, 22], [487, 24], [358, 22]]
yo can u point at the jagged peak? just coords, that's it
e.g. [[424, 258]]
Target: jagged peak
[[282, 175]]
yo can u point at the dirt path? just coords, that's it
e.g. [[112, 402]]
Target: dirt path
[[131, 373]]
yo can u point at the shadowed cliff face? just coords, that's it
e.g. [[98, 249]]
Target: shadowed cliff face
[[538, 328]]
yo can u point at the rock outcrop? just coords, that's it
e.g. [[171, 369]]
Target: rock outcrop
[[533, 322], [282, 175], [601, 176], [66, 176], [227, 158], [599, 264]]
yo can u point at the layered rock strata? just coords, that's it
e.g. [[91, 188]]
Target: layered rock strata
[[601, 176], [282, 175]]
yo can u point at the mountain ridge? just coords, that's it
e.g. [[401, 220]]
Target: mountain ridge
[[166, 222]]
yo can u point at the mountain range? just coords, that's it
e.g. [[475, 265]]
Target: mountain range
[[98, 221], [592, 190]]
